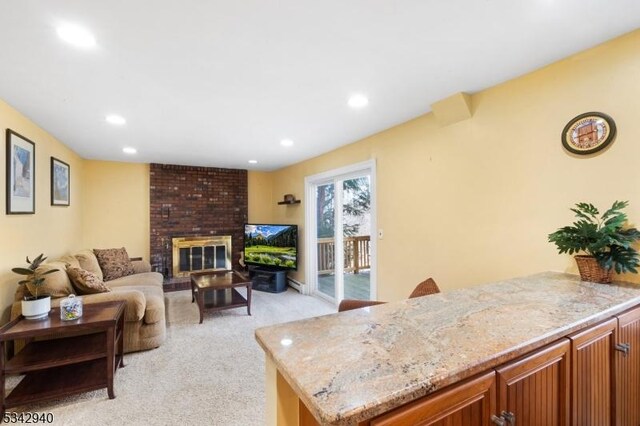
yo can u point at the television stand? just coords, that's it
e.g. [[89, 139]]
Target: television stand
[[269, 280]]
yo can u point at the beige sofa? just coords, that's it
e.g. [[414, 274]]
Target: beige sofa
[[144, 327]]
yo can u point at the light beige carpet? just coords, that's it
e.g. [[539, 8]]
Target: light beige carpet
[[204, 374]]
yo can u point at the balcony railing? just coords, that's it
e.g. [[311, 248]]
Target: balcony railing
[[357, 255]]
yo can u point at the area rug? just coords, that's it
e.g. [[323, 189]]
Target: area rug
[[204, 374]]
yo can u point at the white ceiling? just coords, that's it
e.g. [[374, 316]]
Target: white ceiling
[[216, 83]]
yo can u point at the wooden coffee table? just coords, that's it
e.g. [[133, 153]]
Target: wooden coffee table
[[67, 364], [217, 290]]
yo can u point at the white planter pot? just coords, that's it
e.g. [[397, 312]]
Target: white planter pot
[[36, 308]]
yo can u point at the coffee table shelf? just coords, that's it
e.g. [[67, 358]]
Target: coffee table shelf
[[69, 357], [219, 302]]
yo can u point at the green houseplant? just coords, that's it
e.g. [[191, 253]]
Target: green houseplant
[[37, 305], [604, 238]]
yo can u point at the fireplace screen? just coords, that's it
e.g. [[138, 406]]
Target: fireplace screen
[[198, 254]]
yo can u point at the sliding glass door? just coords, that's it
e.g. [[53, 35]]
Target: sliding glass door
[[341, 261]]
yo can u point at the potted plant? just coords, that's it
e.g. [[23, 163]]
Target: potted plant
[[36, 306], [605, 240]]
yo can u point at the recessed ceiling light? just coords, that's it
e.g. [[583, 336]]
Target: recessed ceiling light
[[286, 142], [76, 35], [253, 161], [115, 119], [358, 101], [129, 150]]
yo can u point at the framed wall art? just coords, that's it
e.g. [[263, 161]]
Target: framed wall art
[[60, 181], [21, 174], [588, 133]]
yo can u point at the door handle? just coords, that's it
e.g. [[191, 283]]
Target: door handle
[[623, 347]]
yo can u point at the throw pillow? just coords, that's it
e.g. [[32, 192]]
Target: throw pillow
[[115, 263], [56, 284], [86, 282], [88, 261]]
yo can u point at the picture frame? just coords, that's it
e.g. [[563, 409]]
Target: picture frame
[[588, 133], [60, 183], [21, 174]]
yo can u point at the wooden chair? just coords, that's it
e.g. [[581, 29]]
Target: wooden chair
[[425, 288]]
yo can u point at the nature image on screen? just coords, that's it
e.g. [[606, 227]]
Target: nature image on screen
[[271, 245]]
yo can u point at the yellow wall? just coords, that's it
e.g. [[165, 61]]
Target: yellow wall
[[115, 204], [260, 196], [474, 201], [53, 231]]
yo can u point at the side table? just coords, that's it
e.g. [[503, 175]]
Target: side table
[[63, 365]]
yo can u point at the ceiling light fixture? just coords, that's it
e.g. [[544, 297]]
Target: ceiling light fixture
[[358, 101], [253, 161], [286, 142], [129, 150], [116, 120], [76, 35]]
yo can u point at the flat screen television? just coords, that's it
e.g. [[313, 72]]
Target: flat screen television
[[271, 246]]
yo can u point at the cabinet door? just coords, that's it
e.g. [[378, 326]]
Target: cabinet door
[[469, 403], [535, 389], [592, 375], [628, 370]]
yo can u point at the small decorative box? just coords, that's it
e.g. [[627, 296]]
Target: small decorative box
[[71, 308]]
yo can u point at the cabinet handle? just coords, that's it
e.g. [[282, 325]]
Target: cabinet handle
[[499, 421], [506, 418], [623, 347], [509, 417]]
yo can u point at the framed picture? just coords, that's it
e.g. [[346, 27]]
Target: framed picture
[[21, 174], [588, 133], [60, 180]]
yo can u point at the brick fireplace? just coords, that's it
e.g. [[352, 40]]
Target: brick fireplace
[[189, 201]]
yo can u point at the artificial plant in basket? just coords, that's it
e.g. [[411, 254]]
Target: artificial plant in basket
[[605, 239], [34, 307]]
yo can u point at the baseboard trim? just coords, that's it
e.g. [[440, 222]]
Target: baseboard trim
[[297, 285]]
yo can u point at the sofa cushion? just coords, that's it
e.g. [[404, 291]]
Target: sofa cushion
[[56, 284], [153, 279], [89, 262], [155, 309], [140, 266], [86, 282], [135, 300], [115, 263]]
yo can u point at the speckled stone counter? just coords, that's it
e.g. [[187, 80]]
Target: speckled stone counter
[[355, 365]]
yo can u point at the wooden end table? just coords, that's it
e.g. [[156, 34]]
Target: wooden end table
[[217, 290], [67, 365]]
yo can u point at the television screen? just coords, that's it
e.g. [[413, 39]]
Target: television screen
[[274, 246]]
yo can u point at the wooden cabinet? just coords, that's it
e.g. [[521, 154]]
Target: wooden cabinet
[[627, 368], [590, 378], [534, 389], [469, 403], [592, 375], [530, 391], [606, 373]]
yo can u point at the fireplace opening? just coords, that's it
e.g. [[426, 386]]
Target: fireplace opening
[[200, 254]]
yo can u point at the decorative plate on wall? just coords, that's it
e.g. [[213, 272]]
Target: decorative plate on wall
[[588, 133]]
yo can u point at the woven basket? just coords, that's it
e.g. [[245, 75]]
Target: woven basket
[[590, 270]]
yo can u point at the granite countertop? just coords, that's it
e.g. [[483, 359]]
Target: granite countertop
[[352, 366]]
